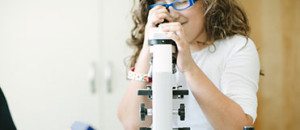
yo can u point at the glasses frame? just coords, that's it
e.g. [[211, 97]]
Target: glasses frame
[[192, 2]]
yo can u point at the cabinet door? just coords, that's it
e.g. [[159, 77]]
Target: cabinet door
[[115, 25], [47, 51]]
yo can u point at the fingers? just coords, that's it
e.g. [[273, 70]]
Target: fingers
[[175, 32], [171, 27], [174, 27], [158, 14], [173, 36]]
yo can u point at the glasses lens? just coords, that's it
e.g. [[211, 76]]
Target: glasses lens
[[181, 4]]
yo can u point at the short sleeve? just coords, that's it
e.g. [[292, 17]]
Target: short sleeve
[[241, 75]]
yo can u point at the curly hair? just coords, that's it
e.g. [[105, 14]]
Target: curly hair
[[223, 18]]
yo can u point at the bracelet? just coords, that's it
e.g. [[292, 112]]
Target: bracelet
[[138, 77]]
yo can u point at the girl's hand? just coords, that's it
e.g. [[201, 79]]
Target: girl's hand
[[175, 32], [156, 15]]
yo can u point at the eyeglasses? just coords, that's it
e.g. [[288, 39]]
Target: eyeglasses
[[178, 5]]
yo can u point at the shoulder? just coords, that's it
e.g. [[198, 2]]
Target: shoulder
[[236, 44]]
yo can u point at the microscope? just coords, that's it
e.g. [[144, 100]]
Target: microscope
[[162, 92]]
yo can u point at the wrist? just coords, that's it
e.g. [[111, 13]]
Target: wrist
[[142, 63], [190, 69]]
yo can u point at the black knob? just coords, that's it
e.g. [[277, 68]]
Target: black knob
[[143, 112], [181, 112]]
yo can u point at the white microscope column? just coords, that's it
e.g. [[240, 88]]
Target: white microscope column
[[162, 87]]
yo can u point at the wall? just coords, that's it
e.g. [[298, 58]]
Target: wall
[[276, 29]]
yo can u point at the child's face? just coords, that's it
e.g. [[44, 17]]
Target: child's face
[[192, 20]]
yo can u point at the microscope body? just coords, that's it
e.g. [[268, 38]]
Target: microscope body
[[162, 91]]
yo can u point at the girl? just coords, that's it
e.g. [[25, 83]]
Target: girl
[[216, 60]]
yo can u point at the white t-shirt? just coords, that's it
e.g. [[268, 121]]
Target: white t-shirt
[[233, 66]]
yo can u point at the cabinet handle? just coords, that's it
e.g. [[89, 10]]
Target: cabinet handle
[[108, 76], [92, 77]]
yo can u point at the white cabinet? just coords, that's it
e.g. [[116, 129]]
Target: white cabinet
[[62, 61], [46, 51]]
